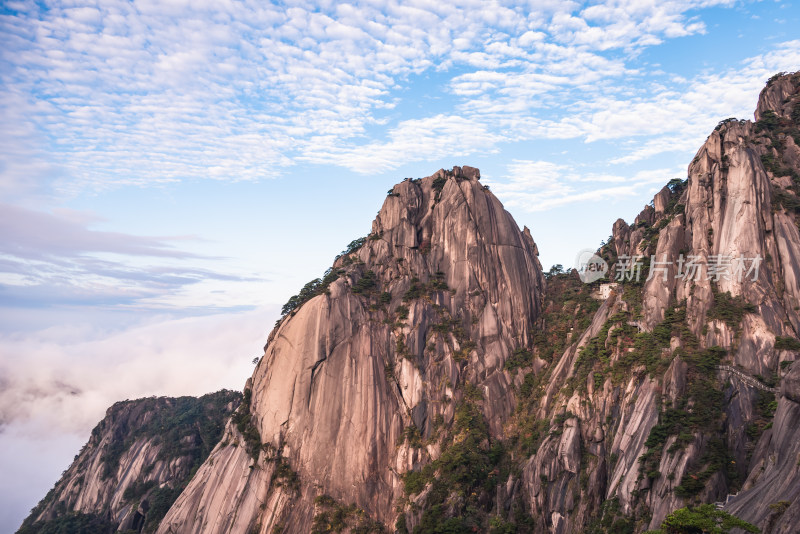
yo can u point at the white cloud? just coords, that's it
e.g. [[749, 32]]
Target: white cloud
[[533, 185], [143, 93], [63, 379], [412, 140], [56, 259]]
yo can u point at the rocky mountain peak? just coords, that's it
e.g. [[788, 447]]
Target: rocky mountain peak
[[373, 360], [780, 96]]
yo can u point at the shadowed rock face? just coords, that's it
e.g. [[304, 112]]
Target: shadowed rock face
[[141, 449], [346, 374]]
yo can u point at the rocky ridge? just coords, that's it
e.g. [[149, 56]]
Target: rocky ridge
[[136, 462], [669, 431]]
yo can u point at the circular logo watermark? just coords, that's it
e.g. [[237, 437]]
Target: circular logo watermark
[[590, 266]]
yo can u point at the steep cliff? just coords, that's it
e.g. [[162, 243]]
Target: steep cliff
[[668, 397], [138, 459], [373, 362]]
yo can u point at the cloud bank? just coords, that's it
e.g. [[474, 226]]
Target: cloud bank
[[144, 93]]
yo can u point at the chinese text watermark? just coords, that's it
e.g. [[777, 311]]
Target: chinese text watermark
[[691, 267]]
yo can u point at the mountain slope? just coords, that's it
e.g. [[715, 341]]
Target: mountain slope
[[135, 464], [651, 422]]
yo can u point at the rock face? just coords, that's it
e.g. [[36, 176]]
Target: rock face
[[434, 380], [440, 294], [676, 431], [138, 459]]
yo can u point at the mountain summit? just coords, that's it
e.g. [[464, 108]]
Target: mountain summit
[[375, 362]]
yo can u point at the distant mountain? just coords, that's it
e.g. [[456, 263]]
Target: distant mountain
[[137, 461], [434, 379]]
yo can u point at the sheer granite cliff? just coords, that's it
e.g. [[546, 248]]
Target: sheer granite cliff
[[440, 294], [651, 420]]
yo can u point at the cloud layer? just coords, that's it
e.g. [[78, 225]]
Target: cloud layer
[[100, 96], [63, 379], [55, 259]]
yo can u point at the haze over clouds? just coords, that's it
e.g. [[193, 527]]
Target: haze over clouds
[[171, 172], [56, 384]]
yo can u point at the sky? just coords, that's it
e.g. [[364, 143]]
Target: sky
[[172, 171]]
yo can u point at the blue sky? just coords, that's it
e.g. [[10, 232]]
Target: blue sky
[[171, 172]]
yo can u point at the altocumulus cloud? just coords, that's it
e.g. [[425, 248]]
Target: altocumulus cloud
[[120, 93]]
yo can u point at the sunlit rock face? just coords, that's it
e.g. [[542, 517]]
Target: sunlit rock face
[[442, 291], [739, 202]]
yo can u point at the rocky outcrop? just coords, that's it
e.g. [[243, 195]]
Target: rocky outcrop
[[770, 497], [659, 452], [440, 294], [137, 460]]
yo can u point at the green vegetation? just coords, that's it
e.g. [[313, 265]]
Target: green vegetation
[[184, 426], [439, 183], [71, 523], [612, 520], [676, 187], [785, 199], [700, 410], [365, 284], [787, 343], [243, 420], [634, 348], [568, 309], [462, 480], [729, 309], [354, 245], [775, 128], [315, 287], [452, 332], [777, 509], [715, 459], [319, 286], [284, 476], [521, 357], [704, 518], [160, 500], [769, 121], [765, 407], [331, 516], [138, 488], [418, 290]]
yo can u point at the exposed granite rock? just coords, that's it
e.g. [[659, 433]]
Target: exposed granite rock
[[770, 497], [141, 446], [343, 377], [726, 207]]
